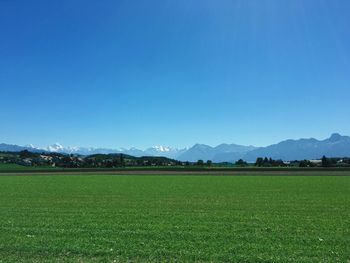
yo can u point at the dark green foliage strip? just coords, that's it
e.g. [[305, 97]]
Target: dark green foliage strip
[[187, 218], [98, 161]]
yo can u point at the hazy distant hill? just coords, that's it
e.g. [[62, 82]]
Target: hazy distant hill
[[15, 148], [220, 153], [335, 146]]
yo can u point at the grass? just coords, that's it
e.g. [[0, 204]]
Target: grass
[[170, 218], [10, 166], [14, 168]]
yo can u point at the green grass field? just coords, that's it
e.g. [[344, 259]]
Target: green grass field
[[174, 218], [9, 166]]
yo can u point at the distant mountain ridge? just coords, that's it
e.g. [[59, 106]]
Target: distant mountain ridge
[[16, 148], [334, 146], [220, 153]]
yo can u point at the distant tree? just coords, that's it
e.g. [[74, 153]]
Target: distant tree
[[187, 163], [304, 163], [325, 162], [241, 162], [109, 164], [268, 162], [25, 154], [209, 162], [179, 163], [139, 162], [259, 161], [200, 162], [121, 159], [277, 163]]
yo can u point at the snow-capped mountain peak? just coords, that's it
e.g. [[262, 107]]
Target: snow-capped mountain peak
[[161, 148], [55, 147], [31, 146]]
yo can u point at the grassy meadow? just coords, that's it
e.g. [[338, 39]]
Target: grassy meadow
[[102, 218]]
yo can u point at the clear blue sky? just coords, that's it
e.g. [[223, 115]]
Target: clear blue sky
[[143, 73]]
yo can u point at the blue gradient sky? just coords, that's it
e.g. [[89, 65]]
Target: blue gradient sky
[[143, 73]]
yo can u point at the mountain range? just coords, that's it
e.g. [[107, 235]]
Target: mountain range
[[334, 146]]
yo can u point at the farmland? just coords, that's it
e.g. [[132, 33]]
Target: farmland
[[96, 217]]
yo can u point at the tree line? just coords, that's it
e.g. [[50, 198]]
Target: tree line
[[27, 158]]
